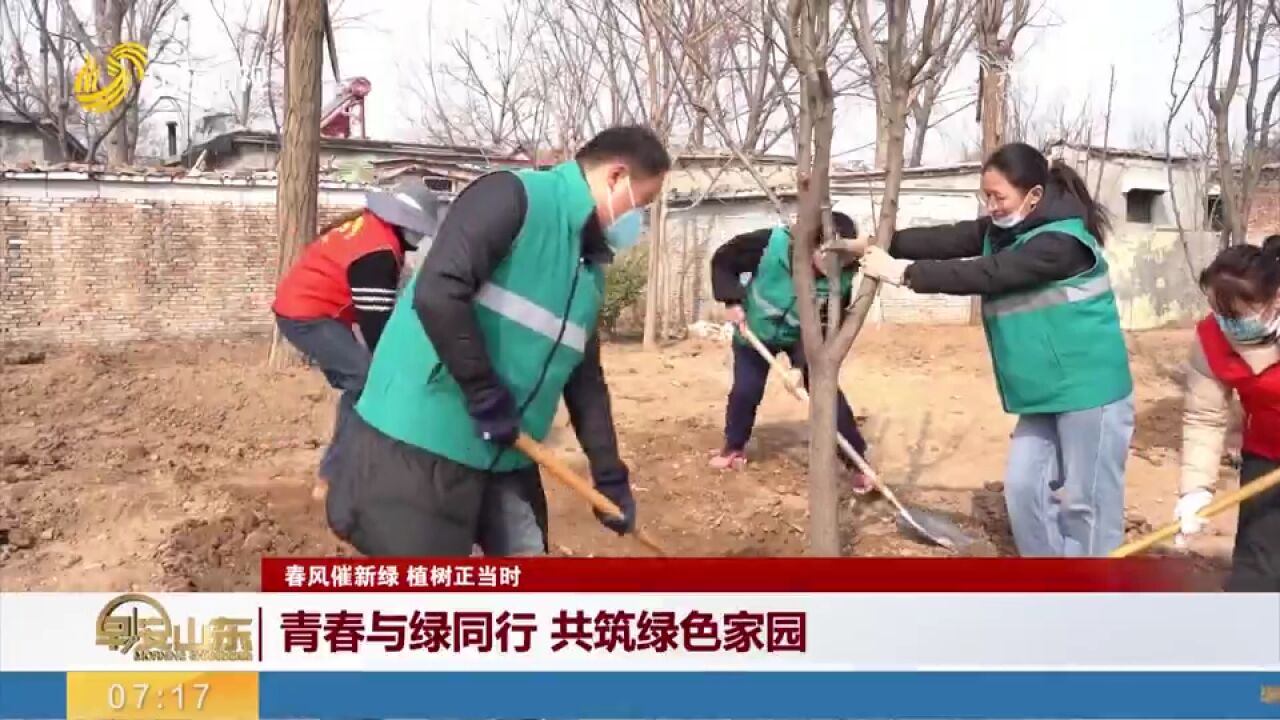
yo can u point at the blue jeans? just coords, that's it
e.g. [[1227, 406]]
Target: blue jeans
[[1064, 486], [333, 347]]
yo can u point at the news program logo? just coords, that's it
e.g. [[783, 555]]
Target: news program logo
[[139, 625], [97, 98]]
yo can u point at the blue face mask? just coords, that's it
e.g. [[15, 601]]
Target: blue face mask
[[624, 232], [1247, 330]]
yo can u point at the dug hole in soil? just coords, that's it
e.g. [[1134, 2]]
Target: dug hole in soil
[[178, 466]]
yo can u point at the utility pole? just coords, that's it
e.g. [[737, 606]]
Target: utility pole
[[298, 166]]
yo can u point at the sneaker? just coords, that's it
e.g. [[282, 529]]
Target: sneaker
[[729, 460], [861, 483]]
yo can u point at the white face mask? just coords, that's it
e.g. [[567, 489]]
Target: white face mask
[[1013, 218]]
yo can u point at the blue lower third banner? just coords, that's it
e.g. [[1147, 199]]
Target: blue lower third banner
[[324, 695]]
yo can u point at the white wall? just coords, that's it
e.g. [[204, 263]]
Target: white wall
[[922, 203]]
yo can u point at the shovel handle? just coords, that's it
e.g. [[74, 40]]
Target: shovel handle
[[803, 395], [1224, 502], [548, 460]]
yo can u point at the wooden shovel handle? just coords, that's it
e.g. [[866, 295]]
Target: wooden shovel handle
[[548, 460], [1224, 502], [803, 395]]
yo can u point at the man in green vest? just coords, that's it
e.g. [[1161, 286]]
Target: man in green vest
[[497, 325], [767, 305]]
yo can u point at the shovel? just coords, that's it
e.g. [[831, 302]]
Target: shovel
[[928, 527], [1225, 502], [542, 455]]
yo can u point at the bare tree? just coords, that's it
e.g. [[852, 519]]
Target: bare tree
[[1240, 30], [252, 31], [296, 195], [998, 24], [920, 46], [485, 91], [897, 55], [1177, 99], [931, 91], [144, 21], [1106, 132], [1029, 120], [41, 97]]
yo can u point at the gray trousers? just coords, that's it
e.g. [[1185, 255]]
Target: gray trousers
[[391, 499], [333, 347]]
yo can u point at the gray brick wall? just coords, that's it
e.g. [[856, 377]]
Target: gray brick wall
[[105, 267]]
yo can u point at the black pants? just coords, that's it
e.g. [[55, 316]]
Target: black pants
[[391, 499], [750, 374], [1255, 560]]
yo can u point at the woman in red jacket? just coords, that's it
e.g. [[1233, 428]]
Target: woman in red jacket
[[1237, 352], [348, 278]]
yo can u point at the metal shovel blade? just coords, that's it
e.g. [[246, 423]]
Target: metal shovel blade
[[915, 522], [933, 529]]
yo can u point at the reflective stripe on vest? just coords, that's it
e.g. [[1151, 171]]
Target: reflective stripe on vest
[[524, 312], [772, 310], [1047, 297]]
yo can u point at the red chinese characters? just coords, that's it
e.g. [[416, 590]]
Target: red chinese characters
[[608, 631], [425, 631], [666, 631]]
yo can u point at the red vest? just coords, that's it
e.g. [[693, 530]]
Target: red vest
[[317, 286], [1259, 394]]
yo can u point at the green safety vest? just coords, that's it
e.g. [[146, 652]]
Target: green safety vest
[[535, 314], [1058, 348], [770, 304]]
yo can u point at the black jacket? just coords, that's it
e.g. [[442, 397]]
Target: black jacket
[[947, 256], [476, 236], [742, 254], [374, 280]]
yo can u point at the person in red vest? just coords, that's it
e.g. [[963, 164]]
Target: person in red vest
[[1237, 351], [347, 279]]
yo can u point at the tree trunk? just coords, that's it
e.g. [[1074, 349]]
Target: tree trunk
[[824, 493], [920, 115], [882, 135], [108, 24], [994, 81], [657, 247], [299, 164]]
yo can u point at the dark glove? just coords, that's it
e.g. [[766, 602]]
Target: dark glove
[[616, 486], [493, 412]]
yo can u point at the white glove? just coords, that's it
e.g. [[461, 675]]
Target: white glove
[[1186, 513], [735, 314], [881, 265]]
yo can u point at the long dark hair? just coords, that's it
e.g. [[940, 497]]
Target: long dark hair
[[1026, 167], [1243, 274], [342, 219]]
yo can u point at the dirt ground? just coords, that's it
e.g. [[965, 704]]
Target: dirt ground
[[177, 466]]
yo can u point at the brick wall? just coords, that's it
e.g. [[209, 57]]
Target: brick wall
[[88, 261], [1264, 211]]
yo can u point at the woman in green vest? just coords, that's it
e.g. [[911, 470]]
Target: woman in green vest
[[1054, 332], [495, 328]]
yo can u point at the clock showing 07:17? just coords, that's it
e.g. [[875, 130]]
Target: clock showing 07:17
[[162, 695]]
